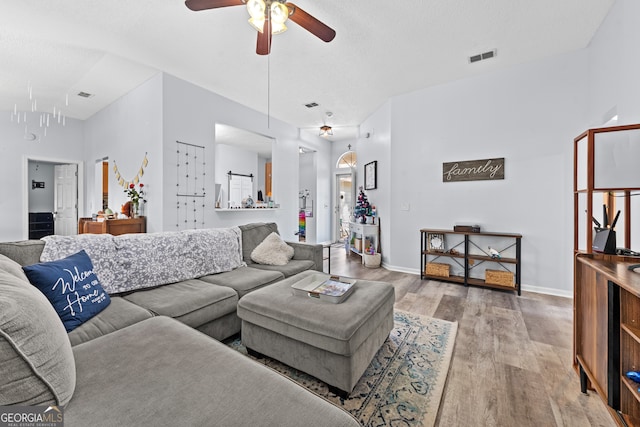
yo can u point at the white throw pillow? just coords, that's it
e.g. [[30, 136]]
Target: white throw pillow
[[272, 251]]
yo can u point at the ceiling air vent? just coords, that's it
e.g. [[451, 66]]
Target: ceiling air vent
[[311, 105], [85, 94], [482, 56]]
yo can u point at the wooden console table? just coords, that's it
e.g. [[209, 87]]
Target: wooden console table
[[114, 227], [607, 331]]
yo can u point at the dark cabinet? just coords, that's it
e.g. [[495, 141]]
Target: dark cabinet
[[40, 225]]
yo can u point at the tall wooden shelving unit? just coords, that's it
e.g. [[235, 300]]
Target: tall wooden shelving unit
[[606, 292]]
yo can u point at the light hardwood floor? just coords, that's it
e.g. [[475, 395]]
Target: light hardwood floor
[[512, 358]]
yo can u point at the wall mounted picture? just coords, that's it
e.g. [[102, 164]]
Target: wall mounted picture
[[370, 175]]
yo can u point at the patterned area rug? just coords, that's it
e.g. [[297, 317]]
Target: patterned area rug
[[403, 385]]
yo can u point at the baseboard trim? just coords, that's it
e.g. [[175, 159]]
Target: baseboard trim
[[548, 291], [400, 269], [527, 288]]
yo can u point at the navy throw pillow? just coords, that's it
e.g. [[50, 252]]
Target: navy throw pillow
[[72, 287]]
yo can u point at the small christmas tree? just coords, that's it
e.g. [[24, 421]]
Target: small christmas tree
[[362, 208]]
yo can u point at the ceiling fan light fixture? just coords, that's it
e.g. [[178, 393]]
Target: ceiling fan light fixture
[[256, 8], [326, 131], [279, 13], [257, 23]]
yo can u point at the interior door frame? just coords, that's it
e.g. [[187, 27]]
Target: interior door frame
[[336, 201], [26, 187]]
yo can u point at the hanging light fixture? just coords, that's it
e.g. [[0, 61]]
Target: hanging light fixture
[[274, 10], [46, 119], [326, 131]]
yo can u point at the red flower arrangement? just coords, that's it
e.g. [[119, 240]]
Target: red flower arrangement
[[136, 195]]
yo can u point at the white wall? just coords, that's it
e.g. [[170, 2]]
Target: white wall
[[41, 199], [614, 66], [380, 146], [189, 115], [527, 114], [62, 143], [124, 131]]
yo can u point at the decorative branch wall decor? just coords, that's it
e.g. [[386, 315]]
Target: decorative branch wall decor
[[190, 185]]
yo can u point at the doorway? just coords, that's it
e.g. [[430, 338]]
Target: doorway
[[53, 194], [344, 205]]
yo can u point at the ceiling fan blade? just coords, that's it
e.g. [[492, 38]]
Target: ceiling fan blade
[[311, 24], [264, 39], [212, 4]]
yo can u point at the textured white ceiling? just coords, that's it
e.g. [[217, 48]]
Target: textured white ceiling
[[382, 49]]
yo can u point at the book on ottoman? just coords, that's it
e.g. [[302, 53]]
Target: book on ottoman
[[333, 289]]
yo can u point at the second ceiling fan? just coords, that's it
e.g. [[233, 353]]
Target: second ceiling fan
[[269, 17]]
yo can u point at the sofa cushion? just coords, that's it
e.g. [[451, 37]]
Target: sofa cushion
[[252, 235], [72, 287], [292, 268], [192, 302], [12, 267], [244, 279], [119, 314], [272, 251], [191, 379], [25, 252], [35, 354]]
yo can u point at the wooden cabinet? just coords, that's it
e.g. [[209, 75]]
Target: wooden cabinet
[[606, 293], [466, 252], [362, 238], [114, 226], [605, 173], [607, 332]]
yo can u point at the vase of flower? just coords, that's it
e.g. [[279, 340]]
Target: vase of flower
[[136, 196]]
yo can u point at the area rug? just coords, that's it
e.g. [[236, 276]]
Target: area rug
[[403, 385]]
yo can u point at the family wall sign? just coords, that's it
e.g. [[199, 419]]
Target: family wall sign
[[473, 170]]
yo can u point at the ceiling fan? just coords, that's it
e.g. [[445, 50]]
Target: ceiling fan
[[268, 17]]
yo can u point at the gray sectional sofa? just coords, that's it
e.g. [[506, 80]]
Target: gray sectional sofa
[[149, 356]]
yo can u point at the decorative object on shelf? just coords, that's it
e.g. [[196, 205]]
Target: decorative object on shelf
[[362, 208], [190, 186], [435, 242], [473, 170], [437, 269], [633, 376], [467, 228], [498, 277], [493, 252], [370, 175], [248, 203]]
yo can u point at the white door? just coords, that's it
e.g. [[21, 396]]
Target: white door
[[65, 196]]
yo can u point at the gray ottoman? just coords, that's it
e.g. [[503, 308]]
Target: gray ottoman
[[333, 342]]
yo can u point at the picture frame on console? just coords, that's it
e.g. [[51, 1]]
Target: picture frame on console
[[370, 175]]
